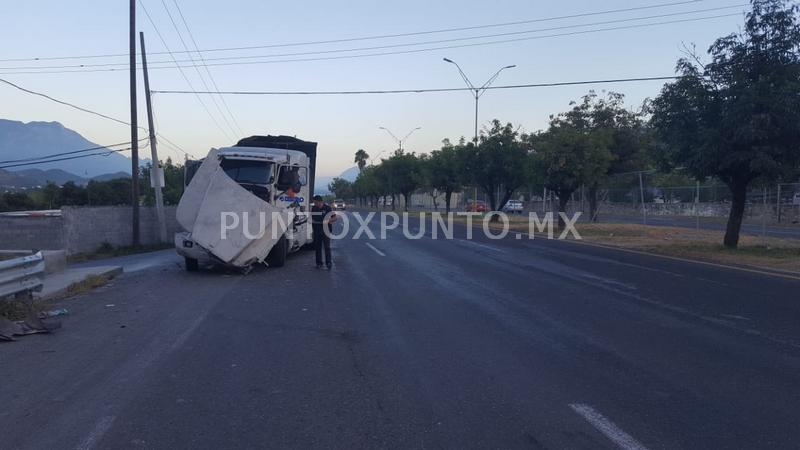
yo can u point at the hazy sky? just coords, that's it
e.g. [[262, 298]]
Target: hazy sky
[[341, 124]]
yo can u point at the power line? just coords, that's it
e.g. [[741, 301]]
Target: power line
[[422, 91], [155, 64], [79, 108], [180, 69], [202, 59], [429, 49], [100, 147], [65, 158], [384, 36], [197, 69]]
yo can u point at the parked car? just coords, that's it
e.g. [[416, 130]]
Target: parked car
[[339, 205], [479, 206], [513, 207]]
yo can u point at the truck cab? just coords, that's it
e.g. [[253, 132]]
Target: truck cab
[[267, 188]]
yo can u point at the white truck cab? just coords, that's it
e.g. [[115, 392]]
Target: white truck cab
[[245, 205]]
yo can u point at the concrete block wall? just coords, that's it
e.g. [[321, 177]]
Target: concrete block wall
[[31, 233], [85, 229]]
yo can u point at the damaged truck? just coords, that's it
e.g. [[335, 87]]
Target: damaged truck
[[247, 204]]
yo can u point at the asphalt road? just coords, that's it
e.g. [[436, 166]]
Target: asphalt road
[[417, 344]]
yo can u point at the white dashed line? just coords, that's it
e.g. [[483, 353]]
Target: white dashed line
[[375, 249], [623, 440]]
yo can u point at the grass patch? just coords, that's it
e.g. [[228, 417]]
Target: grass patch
[[107, 250], [701, 245], [89, 283], [19, 309]]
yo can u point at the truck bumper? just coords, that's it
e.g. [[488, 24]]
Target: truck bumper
[[188, 248]]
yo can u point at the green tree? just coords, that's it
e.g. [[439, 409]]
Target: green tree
[[404, 174], [367, 185], [444, 170], [341, 188], [497, 163], [361, 159], [569, 154], [73, 195], [50, 195], [738, 117]]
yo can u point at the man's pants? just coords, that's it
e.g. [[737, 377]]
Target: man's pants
[[322, 240]]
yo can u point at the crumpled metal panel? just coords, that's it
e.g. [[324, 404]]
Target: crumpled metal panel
[[209, 196]]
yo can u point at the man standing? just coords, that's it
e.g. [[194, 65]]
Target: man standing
[[319, 220]]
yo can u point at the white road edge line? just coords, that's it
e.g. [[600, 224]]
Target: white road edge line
[[100, 428], [375, 249], [607, 427]]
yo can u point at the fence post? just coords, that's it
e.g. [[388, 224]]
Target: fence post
[[641, 192], [764, 216], [697, 206]]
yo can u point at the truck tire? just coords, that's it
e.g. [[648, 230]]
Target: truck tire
[[191, 264], [277, 256]]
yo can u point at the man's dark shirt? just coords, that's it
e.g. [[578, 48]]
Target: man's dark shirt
[[318, 214]]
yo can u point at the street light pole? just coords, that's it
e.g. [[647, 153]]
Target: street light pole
[[399, 141], [477, 92]]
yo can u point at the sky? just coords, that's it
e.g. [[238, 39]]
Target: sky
[[340, 124]]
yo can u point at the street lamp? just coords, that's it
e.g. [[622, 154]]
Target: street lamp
[[399, 141], [477, 91]]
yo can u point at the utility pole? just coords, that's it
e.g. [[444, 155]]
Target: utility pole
[[156, 172], [134, 127], [477, 92]]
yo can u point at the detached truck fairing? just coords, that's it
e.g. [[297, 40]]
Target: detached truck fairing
[[248, 203]]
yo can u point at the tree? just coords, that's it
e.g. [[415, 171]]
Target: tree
[[444, 170], [341, 188], [404, 174], [570, 153], [367, 185], [51, 193], [623, 132], [497, 163], [737, 117], [361, 159]]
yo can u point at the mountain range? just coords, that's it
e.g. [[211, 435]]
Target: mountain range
[[19, 140], [321, 183]]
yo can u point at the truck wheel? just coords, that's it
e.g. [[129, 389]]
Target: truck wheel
[[191, 264], [277, 257]]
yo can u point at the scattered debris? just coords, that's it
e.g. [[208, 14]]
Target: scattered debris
[[32, 325], [54, 313]]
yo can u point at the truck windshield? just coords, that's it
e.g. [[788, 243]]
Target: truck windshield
[[245, 171]]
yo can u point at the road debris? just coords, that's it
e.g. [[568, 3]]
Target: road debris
[[32, 325]]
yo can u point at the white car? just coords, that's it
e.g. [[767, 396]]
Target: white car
[[339, 205], [513, 207]]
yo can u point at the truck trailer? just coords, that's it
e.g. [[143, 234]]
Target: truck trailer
[[247, 204]]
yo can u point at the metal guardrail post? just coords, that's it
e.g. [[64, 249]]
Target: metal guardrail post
[[21, 275]]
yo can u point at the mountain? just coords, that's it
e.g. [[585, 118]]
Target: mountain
[[39, 177], [20, 140], [111, 176], [321, 183]]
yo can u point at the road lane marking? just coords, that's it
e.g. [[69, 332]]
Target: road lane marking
[[487, 247], [375, 249], [623, 440], [97, 433]]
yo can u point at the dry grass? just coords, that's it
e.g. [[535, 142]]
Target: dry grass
[[19, 309], [700, 245], [89, 283], [703, 245]]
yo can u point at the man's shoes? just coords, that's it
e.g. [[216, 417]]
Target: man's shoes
[[329, 265]]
